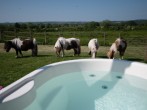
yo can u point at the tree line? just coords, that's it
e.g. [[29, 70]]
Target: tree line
[[74, 26]]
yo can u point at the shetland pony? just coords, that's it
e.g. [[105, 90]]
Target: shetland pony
[[22, 45], [93, 47], [119, 45], [67, 44]]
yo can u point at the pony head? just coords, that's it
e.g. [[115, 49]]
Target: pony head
[[58, 47], [58, 50], [7, 46]]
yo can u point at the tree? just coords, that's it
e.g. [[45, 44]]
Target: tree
[[16, 28], [131, 23], [17, 25], [106, 24], [30, 27], [91, 25]]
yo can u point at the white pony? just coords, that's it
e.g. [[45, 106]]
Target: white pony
[[93, 46], [119, 45], [67, 44]]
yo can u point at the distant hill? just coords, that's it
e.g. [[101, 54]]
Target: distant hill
[[143, 21], [138, 21]]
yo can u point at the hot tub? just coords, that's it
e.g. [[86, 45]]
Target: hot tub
[[85, 84]]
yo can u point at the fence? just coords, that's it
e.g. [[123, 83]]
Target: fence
[[104, 38]]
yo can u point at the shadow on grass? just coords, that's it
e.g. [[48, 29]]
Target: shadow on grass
[[24, 57], [135, 59], [44, 55], [78, 57], [102, 56], [29, 56]]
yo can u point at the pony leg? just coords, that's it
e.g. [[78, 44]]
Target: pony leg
[[93, 55], [16, 53], [62, 52], [57, 50], [20, 53], [35, 50], [111, 54], [75, 52], [58, 54], [122, 57], [121, 54], [89, 53], [78, 50], [33, 54]]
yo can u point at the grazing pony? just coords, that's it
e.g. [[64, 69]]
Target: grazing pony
[[93, 46], [20, 45], [119, 45], [67, 44]]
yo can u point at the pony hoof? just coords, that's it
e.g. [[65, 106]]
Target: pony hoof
[[16, 57]]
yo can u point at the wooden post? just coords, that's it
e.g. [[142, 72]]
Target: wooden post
[[15, 32], [30, 33], [45, 36], [0, 35], [104, 38]]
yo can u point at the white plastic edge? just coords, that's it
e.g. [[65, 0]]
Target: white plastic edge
[[21, 91]]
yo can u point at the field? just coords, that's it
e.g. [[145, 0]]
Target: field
[[11, 69]]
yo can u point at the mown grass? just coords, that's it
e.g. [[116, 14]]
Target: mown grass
[[11, 69]]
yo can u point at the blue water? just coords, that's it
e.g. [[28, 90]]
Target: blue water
[[92, 91]]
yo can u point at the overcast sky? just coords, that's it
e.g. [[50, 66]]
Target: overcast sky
[[71, 10]]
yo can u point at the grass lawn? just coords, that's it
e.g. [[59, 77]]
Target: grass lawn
[[11, 69]]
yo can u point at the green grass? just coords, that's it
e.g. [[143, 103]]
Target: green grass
[[11, 69]]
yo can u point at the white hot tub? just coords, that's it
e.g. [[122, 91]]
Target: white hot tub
[[85, 84]]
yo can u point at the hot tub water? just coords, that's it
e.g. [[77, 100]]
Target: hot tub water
[[91, 90]]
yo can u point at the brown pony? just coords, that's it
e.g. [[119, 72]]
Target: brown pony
[[22, 45], [119, 45]]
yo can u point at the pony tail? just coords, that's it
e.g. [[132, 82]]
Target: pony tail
[[79, 47], [35, 49], [61, 45]]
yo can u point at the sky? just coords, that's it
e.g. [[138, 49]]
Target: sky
[[71, 10]]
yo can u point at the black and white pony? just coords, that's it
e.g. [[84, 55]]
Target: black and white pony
[[67, 44], [119, 45], [93, 46], [22, 45]]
